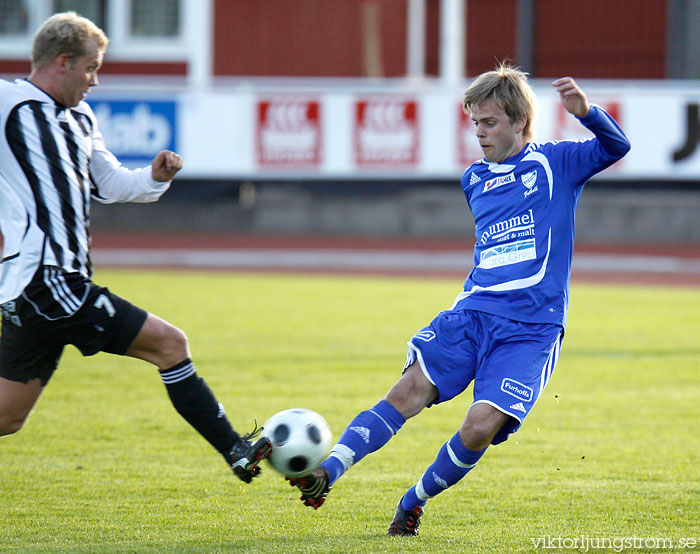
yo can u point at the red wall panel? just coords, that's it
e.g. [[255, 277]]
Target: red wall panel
[[490, 34], [304, 37], [109, 67], [624, 39]]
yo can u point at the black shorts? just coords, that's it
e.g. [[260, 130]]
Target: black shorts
[[57, 309]]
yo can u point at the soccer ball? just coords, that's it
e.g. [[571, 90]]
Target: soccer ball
[[300, 440]]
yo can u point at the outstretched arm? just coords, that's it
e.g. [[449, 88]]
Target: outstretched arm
[[572, 97], [112, 182], [610, 143]]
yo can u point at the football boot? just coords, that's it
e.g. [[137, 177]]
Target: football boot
[[314, 487]]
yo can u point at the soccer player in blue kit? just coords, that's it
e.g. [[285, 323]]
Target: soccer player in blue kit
[[504, 331]]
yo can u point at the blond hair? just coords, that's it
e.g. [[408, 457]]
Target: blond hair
[[65, 33], [508, 87]]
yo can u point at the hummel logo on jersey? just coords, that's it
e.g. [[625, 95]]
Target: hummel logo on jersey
[[363, 432], [519, 406], [439, 480], [426, 335], [474, 179], [498, 182]]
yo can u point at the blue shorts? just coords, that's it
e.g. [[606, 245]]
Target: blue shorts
[[509, 361]]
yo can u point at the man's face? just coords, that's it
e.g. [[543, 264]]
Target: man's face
[[79, 75], [498, 137]]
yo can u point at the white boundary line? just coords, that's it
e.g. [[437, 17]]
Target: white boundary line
[[380, 260]]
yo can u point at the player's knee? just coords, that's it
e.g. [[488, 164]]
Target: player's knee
[[178, 339], [476, 437], [477, 434], [411, 393], [481, 425], [174, 346]]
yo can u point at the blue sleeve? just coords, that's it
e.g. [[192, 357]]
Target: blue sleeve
[[580, 160], [610, 137], [465, 184]]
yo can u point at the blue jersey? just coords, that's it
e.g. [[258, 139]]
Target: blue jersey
[[524, 214]]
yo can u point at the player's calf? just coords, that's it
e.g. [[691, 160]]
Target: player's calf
[[10, 426], [16, 402]]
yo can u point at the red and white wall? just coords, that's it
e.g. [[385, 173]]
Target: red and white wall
[[323, 131], [275, 89]]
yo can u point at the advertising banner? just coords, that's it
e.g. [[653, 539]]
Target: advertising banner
[[288, 133], [135, 131], [386, 133], [365, 132]]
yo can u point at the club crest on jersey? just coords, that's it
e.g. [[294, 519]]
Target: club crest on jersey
[[498, 182], [529, 180]]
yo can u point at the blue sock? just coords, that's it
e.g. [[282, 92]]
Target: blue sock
[[369, 431], [453, 462]]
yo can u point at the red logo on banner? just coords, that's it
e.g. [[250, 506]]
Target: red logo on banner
[[468, 149], [567, 127], [386, 133], [288, 133]]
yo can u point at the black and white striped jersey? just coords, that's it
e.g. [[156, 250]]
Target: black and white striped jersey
[[52, 161]]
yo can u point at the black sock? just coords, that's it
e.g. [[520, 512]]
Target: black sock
[[194, 401]]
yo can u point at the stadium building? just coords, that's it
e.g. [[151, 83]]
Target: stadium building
[[309, 116]]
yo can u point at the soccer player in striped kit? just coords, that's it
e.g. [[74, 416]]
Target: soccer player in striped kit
[[52, 161], [504, 331]]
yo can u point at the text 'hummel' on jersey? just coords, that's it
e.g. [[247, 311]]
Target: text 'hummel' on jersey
[[502, 229]]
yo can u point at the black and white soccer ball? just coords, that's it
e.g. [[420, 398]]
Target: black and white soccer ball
[[300, 440]]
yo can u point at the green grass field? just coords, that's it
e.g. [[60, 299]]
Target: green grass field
[[612, 450]]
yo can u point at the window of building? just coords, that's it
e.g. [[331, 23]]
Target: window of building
[[155, 18], [94, 10], [15, 17], [137, 29]]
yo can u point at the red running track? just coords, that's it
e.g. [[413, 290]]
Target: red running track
[[648, 264]]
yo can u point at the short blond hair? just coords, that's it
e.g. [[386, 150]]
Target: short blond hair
[[508, 86], [65, 33]]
